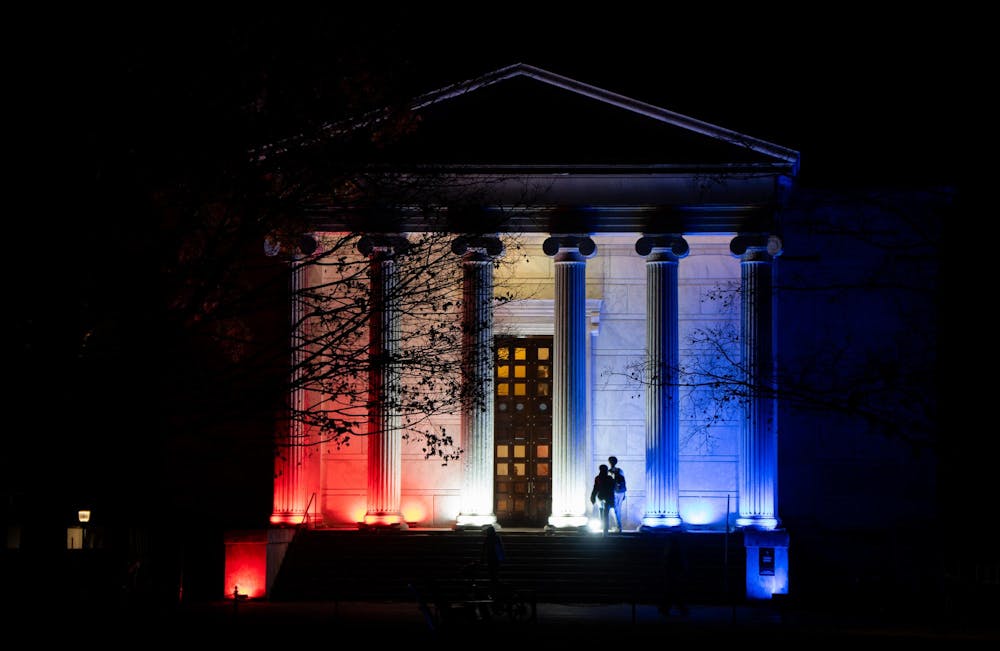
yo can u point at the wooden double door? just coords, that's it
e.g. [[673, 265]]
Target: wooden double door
[[523, 431]]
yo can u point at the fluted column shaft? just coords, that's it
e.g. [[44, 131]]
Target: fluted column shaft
[[662, 394], [289, 500], [570, 480], [290, 475], [758, 480], [384, 431], [477, 370]]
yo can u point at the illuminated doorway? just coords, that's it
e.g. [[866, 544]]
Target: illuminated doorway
[[523, 431]]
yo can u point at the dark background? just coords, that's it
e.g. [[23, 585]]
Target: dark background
[[864, 98], [106, 110]]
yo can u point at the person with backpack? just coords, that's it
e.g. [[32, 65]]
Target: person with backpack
[[604, 490], [620, 487]]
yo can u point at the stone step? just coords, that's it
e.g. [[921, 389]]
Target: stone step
[[557, 567]]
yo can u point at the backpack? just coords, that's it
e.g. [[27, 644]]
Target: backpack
[[619, 481]]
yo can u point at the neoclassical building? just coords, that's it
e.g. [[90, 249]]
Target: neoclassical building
[[641, 231]]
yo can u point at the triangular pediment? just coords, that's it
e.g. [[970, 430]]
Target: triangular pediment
[[564, 155], [523, 115]]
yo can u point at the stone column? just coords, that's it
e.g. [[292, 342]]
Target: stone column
[[478, 254], [290, 473], [570, 478], [758, 479], [662, 253], [384, 422]]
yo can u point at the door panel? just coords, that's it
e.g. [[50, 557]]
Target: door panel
[[523, 431]]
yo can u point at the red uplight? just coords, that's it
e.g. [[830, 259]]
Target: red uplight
[[246, 566]]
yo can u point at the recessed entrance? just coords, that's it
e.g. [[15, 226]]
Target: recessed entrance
[[523, 431]]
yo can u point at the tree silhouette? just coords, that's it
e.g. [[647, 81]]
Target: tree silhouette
[[858, 288], [170, 332], [333, 356]]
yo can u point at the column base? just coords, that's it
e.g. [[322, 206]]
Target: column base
[[476, 521], [397, 526], [383, 521], [757, 522], [289, 519], [652, 522]]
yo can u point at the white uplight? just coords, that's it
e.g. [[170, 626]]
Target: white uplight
[[661, 521], [475, 520], [561, 521]]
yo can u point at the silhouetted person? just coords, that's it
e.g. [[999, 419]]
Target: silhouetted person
[[675, 569], [604, 490], [619, 476], [492, 557]]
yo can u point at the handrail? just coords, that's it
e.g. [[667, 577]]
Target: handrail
[[305, 512], [725, 553]]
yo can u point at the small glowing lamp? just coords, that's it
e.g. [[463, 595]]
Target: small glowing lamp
[[83, 515]]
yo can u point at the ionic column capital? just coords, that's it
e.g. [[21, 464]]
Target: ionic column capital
[[584, 246], [667, 245], [481, 247], [383, 242], [756, 246]]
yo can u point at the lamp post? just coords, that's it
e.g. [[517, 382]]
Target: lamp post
[[83, 515]]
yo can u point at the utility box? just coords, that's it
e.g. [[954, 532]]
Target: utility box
[[767, 562]]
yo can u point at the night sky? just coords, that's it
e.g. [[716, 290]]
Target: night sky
[[107, 110], [863, 100]]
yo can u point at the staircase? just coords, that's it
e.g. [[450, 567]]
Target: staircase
[[324, 564]]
